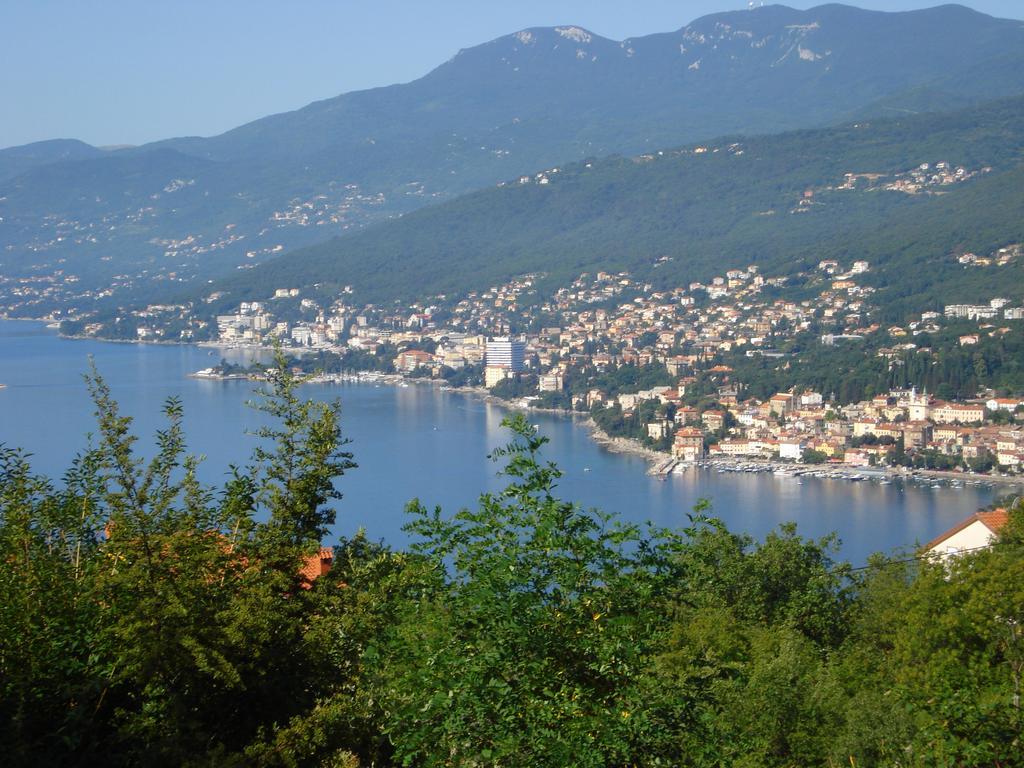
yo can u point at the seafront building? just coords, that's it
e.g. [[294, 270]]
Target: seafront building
[[505, 357]]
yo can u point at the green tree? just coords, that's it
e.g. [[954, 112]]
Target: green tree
[[528, 644], [149, 619]]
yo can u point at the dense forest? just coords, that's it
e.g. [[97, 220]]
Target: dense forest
[[856, 370], [146, 619]]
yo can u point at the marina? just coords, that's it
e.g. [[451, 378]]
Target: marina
[[879, 476]]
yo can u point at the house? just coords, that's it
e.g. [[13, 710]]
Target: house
[[495, 374], [1004, 403], [656, 430], [411, 359], [863, 427], [856, 458], [686, 415], [551, 382], [628, 401], [689, 444], [976, 532], [313, 566], [811, 399], [1009, 458], [916, 433], [316, 565], [713, 420], [781, 403], [734, 448], [791, 449], [677, 364]]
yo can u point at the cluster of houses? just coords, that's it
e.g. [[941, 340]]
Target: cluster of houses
[[790, 425], [999, 258], [603, 321], [925, 178]]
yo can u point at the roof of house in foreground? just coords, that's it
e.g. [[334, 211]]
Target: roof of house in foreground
[[993, 519]]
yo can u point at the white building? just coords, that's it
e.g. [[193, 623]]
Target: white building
[[791, 449], [976, 532], [811, 399], [551, 382], [1003, 403], [970, 311], [503, 352]]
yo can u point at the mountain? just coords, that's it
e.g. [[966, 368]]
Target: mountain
[[188, 209], [782, 202], [547, 95], [15, 161]]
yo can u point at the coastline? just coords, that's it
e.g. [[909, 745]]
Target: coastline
[[623, 445], [661, 464]]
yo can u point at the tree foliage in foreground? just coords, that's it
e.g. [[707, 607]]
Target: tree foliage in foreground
[[146, 619]]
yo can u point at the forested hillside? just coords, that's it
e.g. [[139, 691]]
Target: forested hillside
[[777, 201]]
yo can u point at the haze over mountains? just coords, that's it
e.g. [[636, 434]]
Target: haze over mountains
[[189, 209]]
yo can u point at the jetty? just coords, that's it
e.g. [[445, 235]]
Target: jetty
[[663, 468], [214, 374]]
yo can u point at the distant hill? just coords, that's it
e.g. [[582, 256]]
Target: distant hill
[[775, 201], [15, 161], [192, 208]]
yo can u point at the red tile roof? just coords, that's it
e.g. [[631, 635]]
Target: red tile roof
[[316, 565], [993, 519]]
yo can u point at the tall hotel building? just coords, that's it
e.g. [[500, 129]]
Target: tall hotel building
[[504, 357]]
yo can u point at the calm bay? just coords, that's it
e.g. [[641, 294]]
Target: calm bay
[[417, 441]]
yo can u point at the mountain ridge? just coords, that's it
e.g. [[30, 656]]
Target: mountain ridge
[[192, 209], [775, 12]]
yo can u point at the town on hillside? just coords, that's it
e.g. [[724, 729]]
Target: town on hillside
[[741, 367]]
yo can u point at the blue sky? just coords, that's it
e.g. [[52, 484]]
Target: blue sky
[[130, 71]]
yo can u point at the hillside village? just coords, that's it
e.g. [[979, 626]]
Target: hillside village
[[661, 366]]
